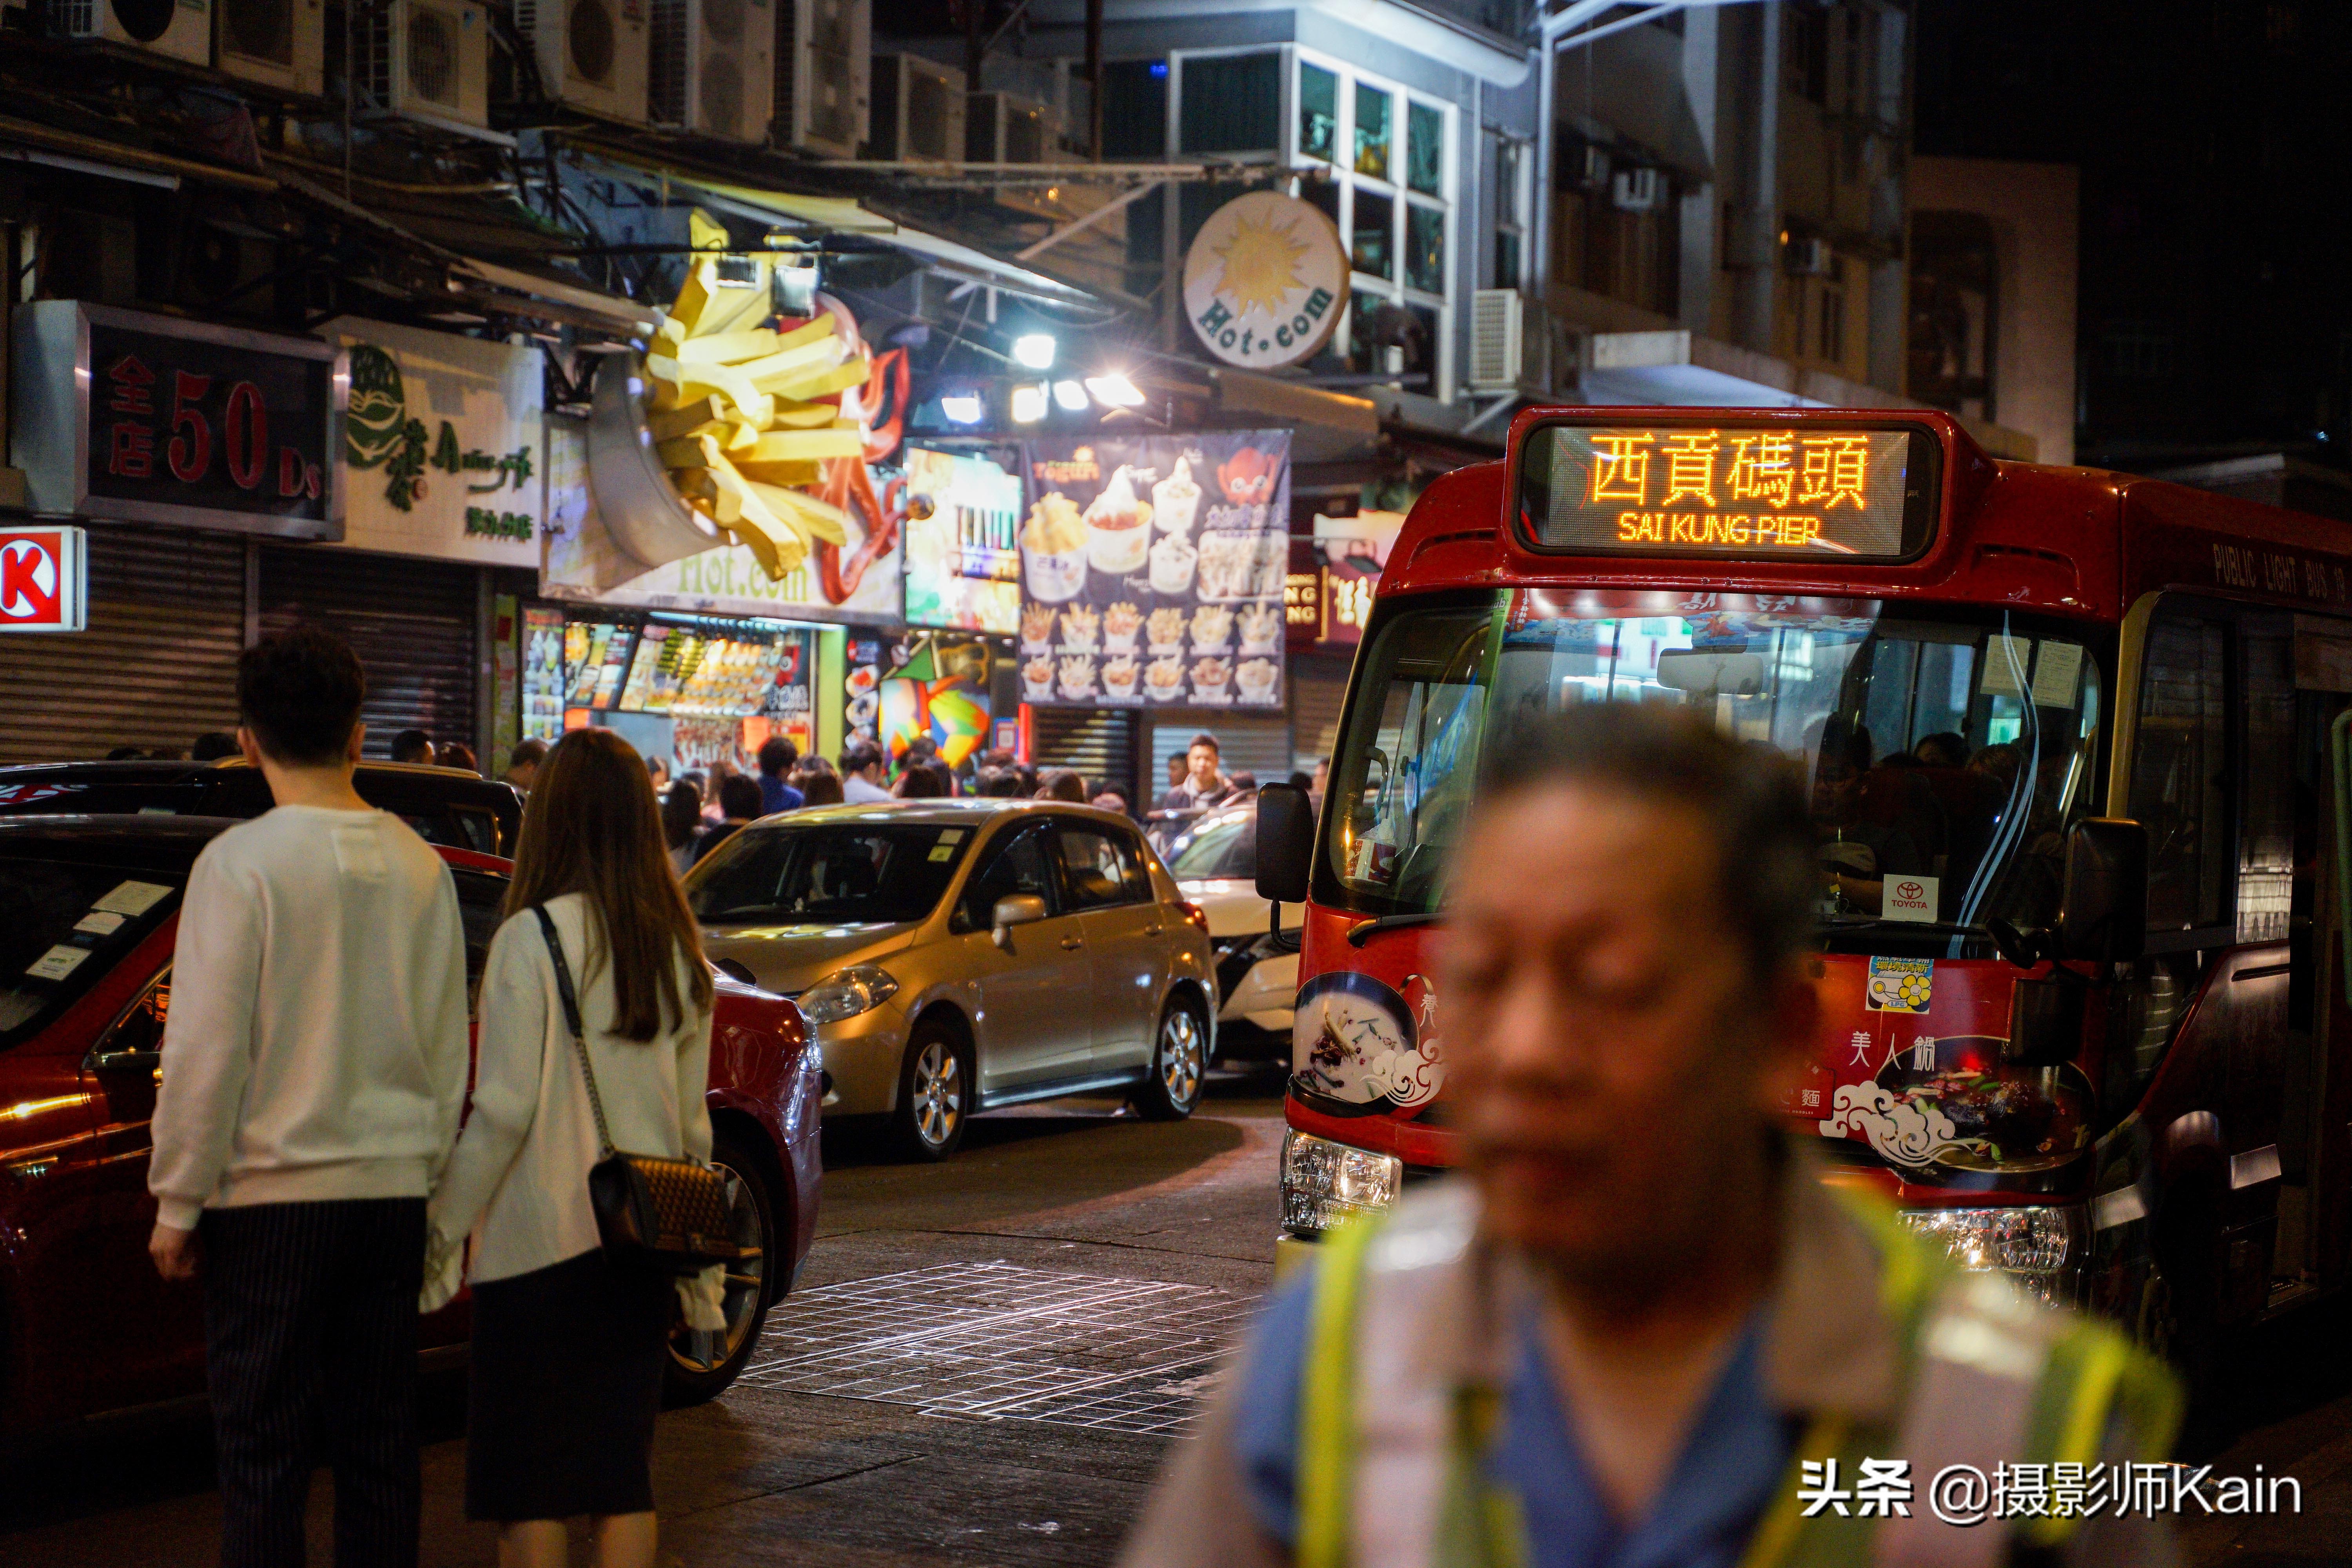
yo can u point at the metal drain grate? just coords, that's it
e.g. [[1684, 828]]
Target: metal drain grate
[[993, 1340]]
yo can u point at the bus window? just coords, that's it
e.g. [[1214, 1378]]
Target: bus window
[[2267, 830], [1948, 750], [2179, 780]]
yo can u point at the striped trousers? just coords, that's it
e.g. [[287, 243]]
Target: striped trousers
[[311, 1350]]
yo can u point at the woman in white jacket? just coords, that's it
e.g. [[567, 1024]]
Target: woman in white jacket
[[568, 1347]]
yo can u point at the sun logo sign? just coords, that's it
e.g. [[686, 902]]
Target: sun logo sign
[[42, 578], [1266, 281]]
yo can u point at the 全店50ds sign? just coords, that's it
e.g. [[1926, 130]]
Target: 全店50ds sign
[[44, 572]]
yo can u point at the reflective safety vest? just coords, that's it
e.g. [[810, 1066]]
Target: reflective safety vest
[[1391, 1469]]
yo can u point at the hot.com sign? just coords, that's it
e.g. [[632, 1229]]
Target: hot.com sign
[[42, 576]]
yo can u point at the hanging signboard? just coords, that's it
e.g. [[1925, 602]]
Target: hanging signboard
[[963, 566], [1152, 571], [151, 418], [857, 583], [1266, 281], [44, 579], [445, 445]]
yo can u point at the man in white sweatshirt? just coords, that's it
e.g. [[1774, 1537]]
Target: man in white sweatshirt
[[314, 1072]]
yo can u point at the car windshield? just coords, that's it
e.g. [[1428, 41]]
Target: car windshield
[[835, 873], [1221, 846], [1946, 749], [68, 923]]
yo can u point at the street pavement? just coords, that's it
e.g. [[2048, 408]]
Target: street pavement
[[983, 1363]]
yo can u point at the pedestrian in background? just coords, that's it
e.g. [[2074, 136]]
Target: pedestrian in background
[[413, 746], [861, 773], [522, 765], [739, 807], [681, 812], [777, 756], [313, 1073], [1113, 797], [658, 770], [457, 754], [1063, 784], [212, 746], [919, 782], [1202, 784], [1639, 1317], [568, 1347], [816, 781], [713, 809]]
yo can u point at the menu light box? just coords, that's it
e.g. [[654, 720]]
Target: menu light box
[[1778, 490]]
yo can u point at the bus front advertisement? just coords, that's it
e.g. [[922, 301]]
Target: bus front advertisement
[[2014, 723]]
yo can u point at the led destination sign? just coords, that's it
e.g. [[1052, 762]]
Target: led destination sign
[[1785, 489]]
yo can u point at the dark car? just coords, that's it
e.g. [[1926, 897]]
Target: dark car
[[447, 806], [87, 1327]]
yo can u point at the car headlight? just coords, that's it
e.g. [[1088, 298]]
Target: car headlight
[[2039, 1246], [846, 992], [1325, 1184]]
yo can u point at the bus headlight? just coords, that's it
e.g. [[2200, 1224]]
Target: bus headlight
[[2040, 1247], [1325, 1184]]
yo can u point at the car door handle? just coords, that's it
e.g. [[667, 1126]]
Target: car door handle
[[125, 1061], [1154, 929], [1070, 943]]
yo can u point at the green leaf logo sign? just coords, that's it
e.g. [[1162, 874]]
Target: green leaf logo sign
[[378, 433]]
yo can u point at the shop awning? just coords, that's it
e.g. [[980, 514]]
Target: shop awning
[[839, 215]]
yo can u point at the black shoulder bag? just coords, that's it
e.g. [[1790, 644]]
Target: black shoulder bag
[[652, 1211]]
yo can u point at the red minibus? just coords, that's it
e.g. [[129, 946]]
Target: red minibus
[[2075, 747]]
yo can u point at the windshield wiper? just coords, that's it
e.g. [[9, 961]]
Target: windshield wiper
[[1362, 931]]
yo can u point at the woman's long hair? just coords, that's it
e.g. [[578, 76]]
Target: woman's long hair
[[590, 828]]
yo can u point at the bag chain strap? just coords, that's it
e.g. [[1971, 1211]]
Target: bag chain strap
[[579, 1035]]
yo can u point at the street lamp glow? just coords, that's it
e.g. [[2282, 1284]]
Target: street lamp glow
[[1033, 350], [1070, 396], [1028, 403], [964, 407], [1115, 391]]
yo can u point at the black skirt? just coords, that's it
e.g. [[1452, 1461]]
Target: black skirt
[[565, 1384]]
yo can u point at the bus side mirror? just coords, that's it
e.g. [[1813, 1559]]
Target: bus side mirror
[[2103, 914], [1285, 843]]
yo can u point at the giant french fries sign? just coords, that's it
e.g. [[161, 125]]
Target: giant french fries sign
[[770, 428]]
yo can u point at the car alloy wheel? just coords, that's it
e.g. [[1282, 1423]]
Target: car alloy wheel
[[704, 1362], [937, 1094], [1178, 1065]]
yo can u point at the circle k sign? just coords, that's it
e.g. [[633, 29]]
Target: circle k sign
[[44, 579], [1265, 280]]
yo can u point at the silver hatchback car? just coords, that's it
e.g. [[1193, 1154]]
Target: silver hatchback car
[[959, 955]]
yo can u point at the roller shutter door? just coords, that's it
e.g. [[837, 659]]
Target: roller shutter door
[[411, 621], [157, 666], [1318, 685], [1099, 742]]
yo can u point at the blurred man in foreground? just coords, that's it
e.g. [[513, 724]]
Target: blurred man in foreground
[[1640, 1329]]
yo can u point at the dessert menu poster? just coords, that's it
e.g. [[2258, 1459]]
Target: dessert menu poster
[[1151, 570]]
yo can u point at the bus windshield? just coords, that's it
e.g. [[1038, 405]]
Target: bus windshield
[[1946, 750]]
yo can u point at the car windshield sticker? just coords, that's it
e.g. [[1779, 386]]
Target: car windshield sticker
[[951, 835], [102, 923], [2055, 676], [943, 852], [58, 962], [2006, 661], [1901, 984], [132, 897]]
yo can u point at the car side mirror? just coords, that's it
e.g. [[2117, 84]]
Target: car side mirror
[[2103, 915], [1013, 909], [1285, 843]]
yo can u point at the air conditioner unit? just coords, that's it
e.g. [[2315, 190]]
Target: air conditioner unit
[[1807, 257], [1006, 127], [1636, 190], [181, 29], [592, 53], [824, 63], [1495, 323], [918, 111], [712, 67], [281, 44], [426, 60]]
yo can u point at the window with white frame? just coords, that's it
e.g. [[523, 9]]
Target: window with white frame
[[1377, 158], [1511, 178]]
